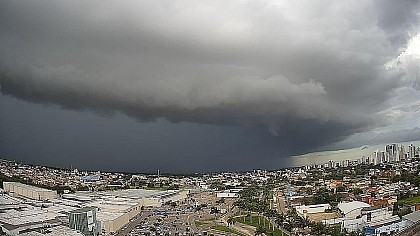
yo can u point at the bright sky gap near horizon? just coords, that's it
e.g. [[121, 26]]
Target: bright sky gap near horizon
[[187, 86]]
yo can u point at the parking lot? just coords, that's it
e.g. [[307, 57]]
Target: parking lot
[[178, 218]]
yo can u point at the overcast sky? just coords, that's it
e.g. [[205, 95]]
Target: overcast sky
[[186, 86]]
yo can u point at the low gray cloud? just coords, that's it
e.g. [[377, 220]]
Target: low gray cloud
[[310, 72], [400, 19]]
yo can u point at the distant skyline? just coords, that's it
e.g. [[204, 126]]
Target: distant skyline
[[186, 87], [345, 154]]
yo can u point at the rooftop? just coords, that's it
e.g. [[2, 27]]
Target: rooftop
[[347, 207], [413, 217], [371, 208], [82, 210], [133, 193], [34, 188]]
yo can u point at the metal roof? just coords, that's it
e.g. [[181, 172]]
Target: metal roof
[[29, 187], [347, 207], [82, 210], [413, 217]]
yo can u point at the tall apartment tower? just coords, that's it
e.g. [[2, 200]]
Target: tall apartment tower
[[392, 152], [384, 157], [377, 157], [401, 153], [411, 151]]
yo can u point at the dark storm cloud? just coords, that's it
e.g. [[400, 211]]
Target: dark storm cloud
[[300, 69], [400, 19]]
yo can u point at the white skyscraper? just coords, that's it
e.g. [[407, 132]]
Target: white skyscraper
[[391, 151], [411, 151]]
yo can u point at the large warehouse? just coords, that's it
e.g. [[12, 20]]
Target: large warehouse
[[28, 191], [117, 208], [113, 209]]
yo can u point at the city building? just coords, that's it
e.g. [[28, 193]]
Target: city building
[[351, 210], [23, 217], [84, 221], [378, 220], [411, 151], [411, 219], [392, 152], [28, 191], [312, 209]]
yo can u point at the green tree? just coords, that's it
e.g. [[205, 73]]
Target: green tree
[[231, 220], [217, 186], [259, 230]]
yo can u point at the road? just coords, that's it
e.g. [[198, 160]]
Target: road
[[281, 202]]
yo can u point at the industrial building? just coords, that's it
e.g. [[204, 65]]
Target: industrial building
[[22, 217], [82, 213], [28, 191], [117, 208], [84, 221]]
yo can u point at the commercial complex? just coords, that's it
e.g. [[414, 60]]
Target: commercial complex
[[28, 191], [21, 216], [86, 213]]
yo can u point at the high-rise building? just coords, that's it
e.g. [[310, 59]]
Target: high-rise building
[[392, 152], [411, 151], [376, 157], [401, 153], [384, 157]]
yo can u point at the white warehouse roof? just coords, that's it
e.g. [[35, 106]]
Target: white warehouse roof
[[347, 207]]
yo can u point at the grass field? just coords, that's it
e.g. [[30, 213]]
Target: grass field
[[410, 200], [222, 228], [199, 223], [225, 229], [259, 221]]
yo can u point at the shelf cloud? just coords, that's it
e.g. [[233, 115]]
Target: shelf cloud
[[283, 65]]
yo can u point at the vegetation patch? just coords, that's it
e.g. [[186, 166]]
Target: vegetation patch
[[261, 223], [225, 229], [411, 200], [199, 223]]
